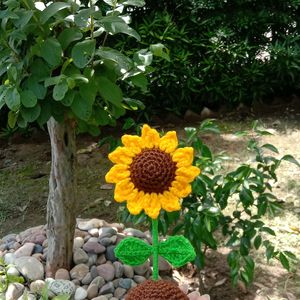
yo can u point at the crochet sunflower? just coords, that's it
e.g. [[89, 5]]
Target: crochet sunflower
[[151, 173]]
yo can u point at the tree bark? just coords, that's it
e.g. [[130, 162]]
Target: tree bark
[[61, 206]]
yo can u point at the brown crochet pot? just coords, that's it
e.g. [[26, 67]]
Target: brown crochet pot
[[156, 290]]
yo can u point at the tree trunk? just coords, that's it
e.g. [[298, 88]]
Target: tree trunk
[[61, 206]]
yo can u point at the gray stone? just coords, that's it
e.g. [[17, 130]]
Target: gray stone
[[93, 247], [92, 259], [125, 283], [106, 241], [94, 232], [9, 258], [30, 268], [78, 242], [87, 279], [13, 271], [107, 271], [79, 271], [107, 288], [119, 269], [110, 253], [60, 286], [119, 292], [134, 232], [37, 286], [27, 296], [99, 281], [38, 248], [100, 298], [128, 271], [94, 272], [25, 250], [106, 232], [89, 224], [142, 269], [92, 291], [80, 293], [9, 238], [14, 291], [62, 274], [138, 278], [80, 256], [101, 259], [116, 282]]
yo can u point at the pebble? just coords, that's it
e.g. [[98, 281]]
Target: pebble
[[92, 291], [79, 271], [89, 224], [37, 286], [80, 257], [142, 269], [101, 259], [125, 283], [93, 247], [30, 268], [9, 258], [106, 232], [62, 274], [78, 242], [134, 232], [14, 291], [128, 271], [99, 281], [94, 272], [13, 271], [38, 248], [80, 293], [27, 296], [25, 250], [107, 271], [106, 241], [138, 278], [87, 279], [110, 253], [119, 269], [119, 292], [61, 287], [107, 288], [92, 259], [100, 298]]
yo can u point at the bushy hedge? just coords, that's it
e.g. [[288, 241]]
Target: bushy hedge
[[221, 51]]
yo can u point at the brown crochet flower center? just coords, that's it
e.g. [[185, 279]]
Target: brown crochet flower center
[[152, 171]]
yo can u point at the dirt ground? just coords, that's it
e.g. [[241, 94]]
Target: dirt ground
[[25, 166]]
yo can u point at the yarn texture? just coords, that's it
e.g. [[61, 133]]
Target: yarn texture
[[156, 290], [150, 173]]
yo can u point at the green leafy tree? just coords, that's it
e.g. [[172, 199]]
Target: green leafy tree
[[56, 69]]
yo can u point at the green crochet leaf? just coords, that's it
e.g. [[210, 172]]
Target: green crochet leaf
[[133, 251], [177, 250]]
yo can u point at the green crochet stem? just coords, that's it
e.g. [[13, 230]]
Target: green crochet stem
[[155, 248]]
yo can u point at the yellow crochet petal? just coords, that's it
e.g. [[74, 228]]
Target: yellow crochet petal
[[152, 206], [135, 205], [183, 157], [187, 174], [180, 189], [121, 155], [133, 142], [117, 173], [150, 137], [124, 190], [169, 201], [168, 142]]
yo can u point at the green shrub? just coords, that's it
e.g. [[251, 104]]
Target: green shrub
[[221, 52]]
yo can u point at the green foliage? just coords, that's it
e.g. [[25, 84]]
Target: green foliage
[[5, 278], [232, 204], [221, 51], [57, 60]]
